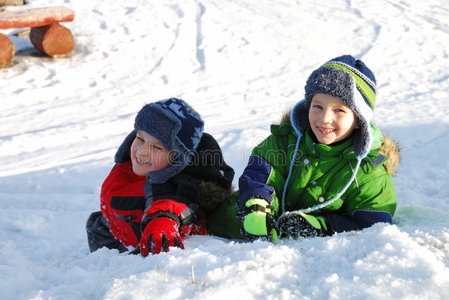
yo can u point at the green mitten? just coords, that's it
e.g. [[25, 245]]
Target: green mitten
[[258, 221]]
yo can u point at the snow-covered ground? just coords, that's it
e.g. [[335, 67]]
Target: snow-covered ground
[[241, 64]]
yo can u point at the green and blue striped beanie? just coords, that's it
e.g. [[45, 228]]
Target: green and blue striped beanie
[[354, 84]]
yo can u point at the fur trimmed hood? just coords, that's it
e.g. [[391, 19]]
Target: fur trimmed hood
[[390, 149], [207, 180], [210, 195]]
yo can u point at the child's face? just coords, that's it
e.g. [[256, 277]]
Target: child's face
[[330, 119], [148, 154]]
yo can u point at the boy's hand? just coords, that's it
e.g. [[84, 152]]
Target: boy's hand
[[258, 221], [297, 225], [160, 234], [165, 224]]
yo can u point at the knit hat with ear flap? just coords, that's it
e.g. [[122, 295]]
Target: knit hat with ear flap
[[352, 82], [173, 122]]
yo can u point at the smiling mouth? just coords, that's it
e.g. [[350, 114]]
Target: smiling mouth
[[326, 131], [142, 162]]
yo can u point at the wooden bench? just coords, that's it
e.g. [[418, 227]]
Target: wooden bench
[[11, 2], [46, 33]]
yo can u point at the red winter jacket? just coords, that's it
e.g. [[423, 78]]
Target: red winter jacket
[[123, 204]]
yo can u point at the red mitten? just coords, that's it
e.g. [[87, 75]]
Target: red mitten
[[166, 226], [160, 234]]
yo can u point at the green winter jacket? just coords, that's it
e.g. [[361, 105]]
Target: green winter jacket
[[319, 173]]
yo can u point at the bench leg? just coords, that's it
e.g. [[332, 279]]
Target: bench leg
[[7, 50], [53, 40]]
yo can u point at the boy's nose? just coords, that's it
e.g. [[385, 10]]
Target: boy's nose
[[327, 116], [143, 152]]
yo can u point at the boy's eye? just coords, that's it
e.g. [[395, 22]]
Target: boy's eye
[[140, 139], [157, 147], [317, 106]]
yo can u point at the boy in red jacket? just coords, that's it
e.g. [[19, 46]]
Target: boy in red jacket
[[168, 174]]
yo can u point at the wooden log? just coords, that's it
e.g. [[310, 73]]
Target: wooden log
[[11, 2], [7, 50], [35, 17], [53, 40]]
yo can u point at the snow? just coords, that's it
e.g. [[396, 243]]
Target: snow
[[241, 64]]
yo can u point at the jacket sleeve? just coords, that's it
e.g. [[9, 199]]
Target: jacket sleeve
[[264, 176], [358, 221], [253, 182], [172, 199]]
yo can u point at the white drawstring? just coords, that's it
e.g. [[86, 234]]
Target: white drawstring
[[326, 203]]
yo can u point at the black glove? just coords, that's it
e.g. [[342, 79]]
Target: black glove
[[297, 225]]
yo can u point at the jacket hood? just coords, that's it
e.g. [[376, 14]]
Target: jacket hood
[[389, 148], [212, 172], [207, 178]]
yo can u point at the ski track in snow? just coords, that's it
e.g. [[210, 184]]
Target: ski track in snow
[[241, 64]]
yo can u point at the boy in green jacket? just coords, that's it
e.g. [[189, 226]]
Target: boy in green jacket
[[325, 169]]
